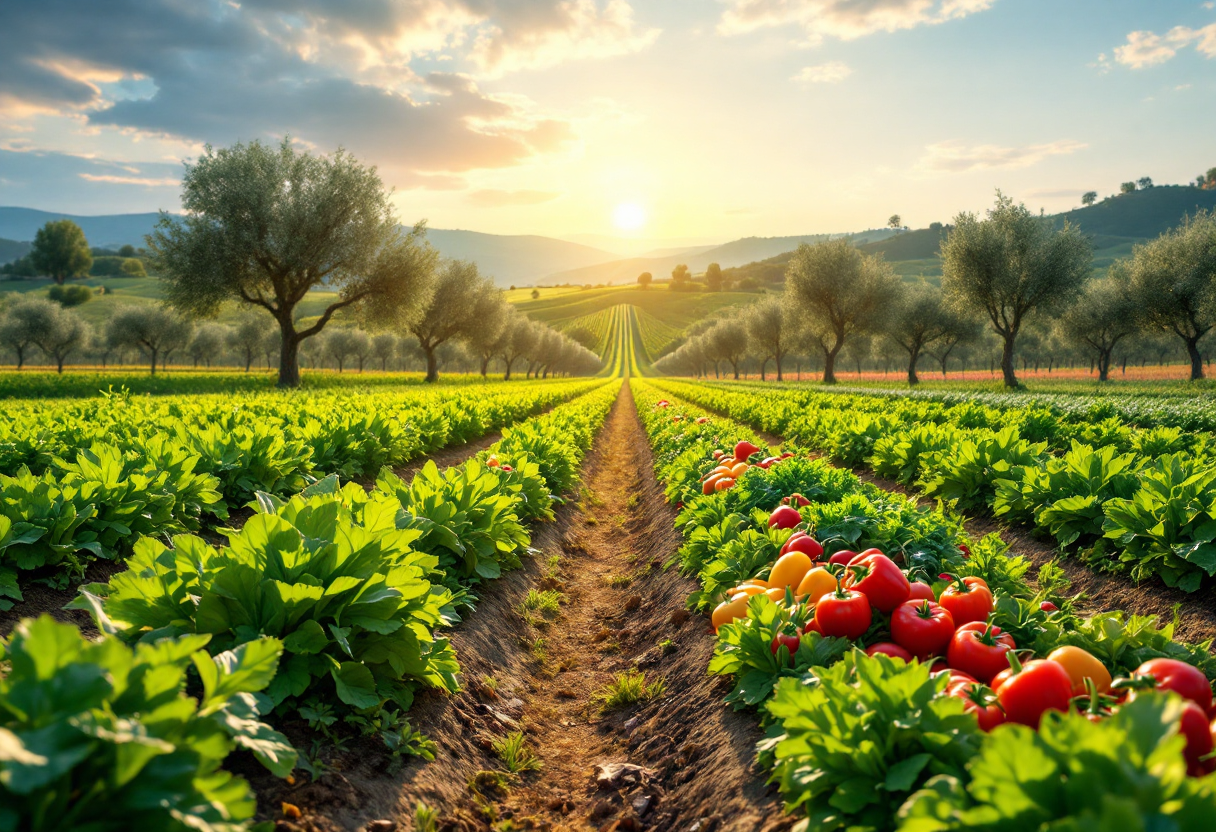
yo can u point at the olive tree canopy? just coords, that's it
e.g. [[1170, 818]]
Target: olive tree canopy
[[264, 226], [1013, 264], [838, 290], [61, 251], [462, 298], [1103, 315], [1173, 280]]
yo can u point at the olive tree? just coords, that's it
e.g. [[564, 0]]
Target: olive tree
[[384, 348], [918, 319], [154, 330], [1011, 265], [265, 226], [838, 290], [1103, 315], [770, 332], [1173, 281], [485, 340], [61, 251], [208, 343], [461, 298], [247, 336], [519, 340], [58, 332], [729, 342], [17, 327]]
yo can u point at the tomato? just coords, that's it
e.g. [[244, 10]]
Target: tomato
[[815, 584], [729, 611], [1198, 733], [798, 500], [1081, 665], [739, 469], [745, 449], [507, 468], [880, 579], [889, 649], [723, 484], [702, 420], [965, 550], [746, 590], [789, 570], [920, 589], [980, 650], [784, 517], [922, 627], [776, 594], [788, 640], [1047, 606], [717, 454], [1183, 679], [979, 700], [842, 557], [492, 462], [803, 542], [968, 599], [845, 613], [1027, 691], [708, 486]]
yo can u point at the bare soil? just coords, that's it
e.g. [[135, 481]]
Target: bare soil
[[618, 607]]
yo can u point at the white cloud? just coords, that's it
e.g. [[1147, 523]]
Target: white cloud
[[956, 157], [1144, 49], [832, 72], [146, 181], [844, 19]]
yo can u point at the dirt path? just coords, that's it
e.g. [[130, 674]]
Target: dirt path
[[617, 607]]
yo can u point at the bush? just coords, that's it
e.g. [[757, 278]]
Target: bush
[[69, 296], [110, 266]]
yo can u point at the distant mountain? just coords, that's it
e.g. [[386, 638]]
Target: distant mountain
[[106, 231], [11, 250], [515, 259], [508, 259], [1142, 214], [639, 246], [734, 253]]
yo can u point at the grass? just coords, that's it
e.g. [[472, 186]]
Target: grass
[[541, 606], [426, 819], [539, 650], [515, 754], [628, 688]]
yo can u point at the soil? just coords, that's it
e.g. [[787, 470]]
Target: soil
[[696, 757]]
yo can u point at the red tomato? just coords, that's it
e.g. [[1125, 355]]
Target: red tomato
[[922, 627], [1198, 733], [889, 649], [797, 500], [920, 589], [789, 640], [845, 613], [1183, 679], [1047, 606], [803, 542], [966, 550], [980, 650], [784, 517], [842, 557], [979, 700], [880, 579], [968, 599], [745, 449], [1027, 691], [702, 420]]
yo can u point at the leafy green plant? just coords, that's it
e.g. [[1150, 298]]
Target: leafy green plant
[[965, 475], [515, 754], [1125, 772], [331, 572], [853, 742], [97, 735]]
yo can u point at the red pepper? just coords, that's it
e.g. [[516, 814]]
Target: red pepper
[[880, 579]]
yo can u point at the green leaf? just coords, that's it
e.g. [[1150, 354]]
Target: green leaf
[[356, 686], [245, 669], [307, 639]]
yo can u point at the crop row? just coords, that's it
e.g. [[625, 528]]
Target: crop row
[[1142, 501], [321, 610], [890, 737], [160, 466]]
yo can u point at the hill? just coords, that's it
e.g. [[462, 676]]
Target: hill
[[11, 250], [1141, 215], [105, 231], [734, 253]]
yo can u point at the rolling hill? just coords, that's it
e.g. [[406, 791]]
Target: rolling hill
[[11, 250]]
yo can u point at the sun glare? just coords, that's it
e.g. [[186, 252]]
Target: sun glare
[[629, 216]]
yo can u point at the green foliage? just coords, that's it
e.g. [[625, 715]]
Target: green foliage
[[1122, 773], [60, 250], [96, 735], [853, 741], [69, 296], [330, 572], [966, 474], [628, 688]]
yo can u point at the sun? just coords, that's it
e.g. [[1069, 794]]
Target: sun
[[629, 216]]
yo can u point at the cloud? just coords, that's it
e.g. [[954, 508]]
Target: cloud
[[38, 179], [493, 198], [146, 181], [843, 19], [955, 157], [1144, 49], [832, 72]]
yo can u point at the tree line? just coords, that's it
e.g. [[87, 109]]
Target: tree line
[[1007, 277], [262, 228]]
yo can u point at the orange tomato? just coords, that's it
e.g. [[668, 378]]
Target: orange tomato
[[1081, 665], [776, 594], [816, 583], [723, 484], [729, 611], [708, 486], [789, 570]]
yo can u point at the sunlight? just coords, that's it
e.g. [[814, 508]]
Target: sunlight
[[629, 216]]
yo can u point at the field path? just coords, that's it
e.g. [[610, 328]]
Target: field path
[[618, 607]]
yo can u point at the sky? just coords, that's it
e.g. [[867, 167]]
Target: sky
[[689, 120]]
